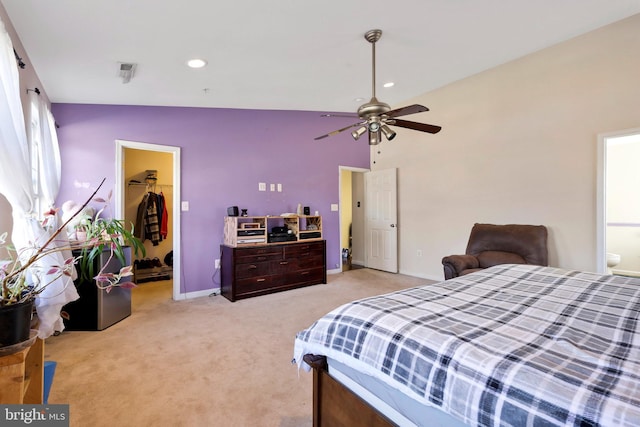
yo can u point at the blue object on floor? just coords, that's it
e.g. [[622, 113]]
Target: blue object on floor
[[49, 371]]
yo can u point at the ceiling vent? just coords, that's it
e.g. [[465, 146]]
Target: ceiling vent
[[126, 71]]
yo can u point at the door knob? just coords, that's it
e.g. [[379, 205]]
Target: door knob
[[393, 225]]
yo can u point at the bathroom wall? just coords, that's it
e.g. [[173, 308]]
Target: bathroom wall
[[623, 202]]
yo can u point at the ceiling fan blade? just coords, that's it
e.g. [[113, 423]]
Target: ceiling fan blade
[[409, 109], [335, 132], [423, 127]]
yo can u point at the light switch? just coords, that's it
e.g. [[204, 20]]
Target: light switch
[[280, 188], [262, 186], [272, 187], [334, 207], [184, 206]]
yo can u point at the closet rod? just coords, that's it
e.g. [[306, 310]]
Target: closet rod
[[145, 184]]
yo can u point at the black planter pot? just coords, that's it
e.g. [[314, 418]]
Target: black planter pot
[[15, 323]]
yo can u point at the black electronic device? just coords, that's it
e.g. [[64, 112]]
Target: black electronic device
[[250, 232], [280, 230], [281, 237], [314, 235], [232, 211], [307, 211]]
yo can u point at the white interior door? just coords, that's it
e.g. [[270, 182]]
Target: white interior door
[[381, 220]]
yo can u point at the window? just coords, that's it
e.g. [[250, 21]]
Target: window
[[35, 151]]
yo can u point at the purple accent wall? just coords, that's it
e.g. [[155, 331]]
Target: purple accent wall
[[224, 153]]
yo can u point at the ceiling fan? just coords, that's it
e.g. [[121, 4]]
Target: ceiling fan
[[376, 116]]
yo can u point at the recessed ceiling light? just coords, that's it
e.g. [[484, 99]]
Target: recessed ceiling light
[[359, 99], [196, 63], [388, 84]]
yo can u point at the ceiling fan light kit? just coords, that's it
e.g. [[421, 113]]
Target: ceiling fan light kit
[[376, 116]]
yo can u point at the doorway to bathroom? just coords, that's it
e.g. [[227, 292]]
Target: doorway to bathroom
[[619, 203]]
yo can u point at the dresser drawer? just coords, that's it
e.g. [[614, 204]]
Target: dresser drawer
[[255, 255], [303, 250], [292, 264], [252, 269], [256, 284], [311, 275]]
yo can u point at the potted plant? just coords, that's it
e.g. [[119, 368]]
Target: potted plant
[[81, 228], [24, 276]]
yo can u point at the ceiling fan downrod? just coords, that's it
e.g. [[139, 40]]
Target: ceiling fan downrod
[[372, 36]]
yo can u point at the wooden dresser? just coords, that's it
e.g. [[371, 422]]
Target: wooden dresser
[[250, 271]]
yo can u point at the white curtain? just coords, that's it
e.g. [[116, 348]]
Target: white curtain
[[45, 132], [15, 180], [16, 186], [61, 290]]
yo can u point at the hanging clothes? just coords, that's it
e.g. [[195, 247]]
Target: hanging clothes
[[152, 227], [147, 225], [164, 222], [138, 230], [160, 211]]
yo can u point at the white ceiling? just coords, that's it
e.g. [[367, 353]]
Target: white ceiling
[[284, 54]]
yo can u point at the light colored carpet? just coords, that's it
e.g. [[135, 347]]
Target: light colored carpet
[[204, 361]]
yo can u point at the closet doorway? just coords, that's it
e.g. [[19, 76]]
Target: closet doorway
[[352, 217], [144, 170]]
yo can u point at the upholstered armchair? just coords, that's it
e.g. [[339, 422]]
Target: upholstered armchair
[[491, 245]]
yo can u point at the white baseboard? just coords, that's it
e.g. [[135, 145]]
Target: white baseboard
[[629, 273], [198, 294]]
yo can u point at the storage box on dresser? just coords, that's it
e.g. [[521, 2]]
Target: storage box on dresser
[[251, 268]]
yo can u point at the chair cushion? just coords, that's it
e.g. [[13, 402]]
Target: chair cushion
[[490, 258], [470, 270]]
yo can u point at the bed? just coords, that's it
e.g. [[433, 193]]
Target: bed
[[512, 345]]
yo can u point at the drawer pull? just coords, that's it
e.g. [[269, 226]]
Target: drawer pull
[[284, 262], [253, 267], [304, 273], [262, 258], [261, 280]]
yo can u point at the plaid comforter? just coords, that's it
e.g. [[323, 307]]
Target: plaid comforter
[[511, 345]]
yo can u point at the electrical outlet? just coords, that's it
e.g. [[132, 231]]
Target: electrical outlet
[[217, 264]]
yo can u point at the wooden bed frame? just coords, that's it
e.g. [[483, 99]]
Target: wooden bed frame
[[334, 405]]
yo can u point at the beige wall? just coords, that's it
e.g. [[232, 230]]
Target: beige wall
[[518, 145], [357, 215]]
